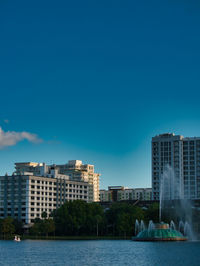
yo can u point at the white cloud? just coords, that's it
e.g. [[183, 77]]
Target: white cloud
[[10, 138]]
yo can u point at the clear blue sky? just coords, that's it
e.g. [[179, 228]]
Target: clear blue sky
[[95, 80]]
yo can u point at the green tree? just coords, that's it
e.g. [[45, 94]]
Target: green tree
[[48, 226], [44, 215], [43, 227], [82, 218], [120, 218], [7, 226], [36, 229], [98, 219], [123, 224], [18, 226], [152, 213], [79, 218]]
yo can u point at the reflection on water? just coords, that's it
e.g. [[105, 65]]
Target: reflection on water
[[99, 252]]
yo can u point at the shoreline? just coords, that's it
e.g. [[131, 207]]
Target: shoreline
[[28, 237]]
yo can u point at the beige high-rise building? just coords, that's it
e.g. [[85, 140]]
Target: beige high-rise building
[[79, 171]]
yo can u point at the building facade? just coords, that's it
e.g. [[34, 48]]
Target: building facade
[[35, 188], [73, 170], [182, 155], [142, 194], [119, 193], [78, 171]]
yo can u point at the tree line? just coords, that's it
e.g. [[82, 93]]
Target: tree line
[[78, 218]]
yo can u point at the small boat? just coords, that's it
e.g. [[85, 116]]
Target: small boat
[[17, 239]]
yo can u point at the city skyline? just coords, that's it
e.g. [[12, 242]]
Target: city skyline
[[95, 82]]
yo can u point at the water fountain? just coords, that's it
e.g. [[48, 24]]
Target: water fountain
[[172, 225], [181, 226], [171, 201], [160, 232], [137, 227], [142, 225]]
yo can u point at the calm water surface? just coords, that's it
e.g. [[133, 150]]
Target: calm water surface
[[99, 252]]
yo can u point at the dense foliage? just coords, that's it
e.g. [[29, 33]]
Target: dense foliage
[[9, 226], [152, 213], [78, 218], [120, 219]]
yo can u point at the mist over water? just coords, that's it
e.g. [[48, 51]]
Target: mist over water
[[173, 205]]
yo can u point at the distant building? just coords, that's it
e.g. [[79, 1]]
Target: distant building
[[35, 188], [135, 194], [183, 156], [119, 193]]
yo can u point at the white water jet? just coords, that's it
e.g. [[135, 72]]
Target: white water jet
[[170, 187], [151, 225], [181, 226], [172, 200], [188, 231], [142, 225], [172, 225], [137, 227]]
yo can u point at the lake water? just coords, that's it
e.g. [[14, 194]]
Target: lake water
[[99, 252]]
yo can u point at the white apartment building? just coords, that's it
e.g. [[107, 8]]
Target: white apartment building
[[74, 170], [121, 194], [35, 188], [26, 197], [135, 194], [183, 156]]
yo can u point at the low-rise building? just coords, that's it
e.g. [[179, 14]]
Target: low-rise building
[[119, 193], [104, 195]]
